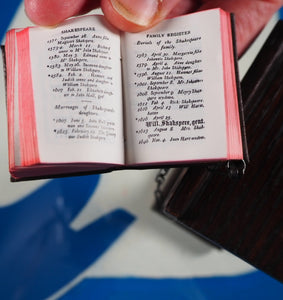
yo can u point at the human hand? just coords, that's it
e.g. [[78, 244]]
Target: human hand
[[135, 15]]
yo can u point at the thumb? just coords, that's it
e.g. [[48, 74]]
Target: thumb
[[136, 15]]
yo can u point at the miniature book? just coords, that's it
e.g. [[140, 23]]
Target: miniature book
[[84, 97]]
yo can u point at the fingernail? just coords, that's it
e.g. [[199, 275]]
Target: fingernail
[[139, 12]]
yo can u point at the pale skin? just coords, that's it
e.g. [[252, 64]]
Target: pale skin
[[137, 15]]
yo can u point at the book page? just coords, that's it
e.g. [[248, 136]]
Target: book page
[[76, 75], [175, 104]]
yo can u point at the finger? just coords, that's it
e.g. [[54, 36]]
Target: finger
[[250, 17], [52, 12], [136, 15]]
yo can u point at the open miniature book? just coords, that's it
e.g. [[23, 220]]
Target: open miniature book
[[85, 97]]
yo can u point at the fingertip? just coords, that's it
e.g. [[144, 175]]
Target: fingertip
[[119, 20], [53, 12], [134, 15], [44, 14]]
